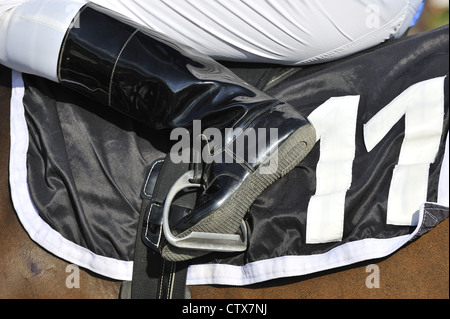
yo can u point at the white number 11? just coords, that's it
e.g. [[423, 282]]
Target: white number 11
[[335, 121]]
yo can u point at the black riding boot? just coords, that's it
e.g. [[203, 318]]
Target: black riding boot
[[167, 85]]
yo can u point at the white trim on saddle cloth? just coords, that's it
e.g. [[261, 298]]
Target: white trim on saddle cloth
[[254, 272], [37, 228], [291, 266]]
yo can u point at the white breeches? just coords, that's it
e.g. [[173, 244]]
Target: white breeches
[[290, 32]]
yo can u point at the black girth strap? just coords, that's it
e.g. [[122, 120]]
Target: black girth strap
[[154, 277]]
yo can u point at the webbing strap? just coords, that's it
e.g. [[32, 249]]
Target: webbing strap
[[154, 277]]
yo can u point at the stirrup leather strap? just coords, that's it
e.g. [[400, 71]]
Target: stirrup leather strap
[[169, 194]]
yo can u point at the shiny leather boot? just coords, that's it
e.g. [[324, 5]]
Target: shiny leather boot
[[168, 85]]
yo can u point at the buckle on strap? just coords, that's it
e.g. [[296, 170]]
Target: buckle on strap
[[199, 240]]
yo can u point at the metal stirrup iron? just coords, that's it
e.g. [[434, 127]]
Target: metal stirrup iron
[[200, 240]]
